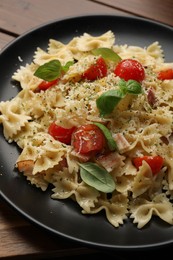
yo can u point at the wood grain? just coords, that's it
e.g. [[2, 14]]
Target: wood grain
[[18, 237], [158, 10], [4, 39], [19, 16]]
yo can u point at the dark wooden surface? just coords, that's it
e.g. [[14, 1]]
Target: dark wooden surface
[[157, 10], [19, 239]]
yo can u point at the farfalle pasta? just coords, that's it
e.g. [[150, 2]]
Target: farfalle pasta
[[98, 135]]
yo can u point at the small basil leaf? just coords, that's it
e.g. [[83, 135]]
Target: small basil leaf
[[111, 142], [107, 54], [66, 67], [123, 86], [108, 100], [97, 177], [49, 71], [133, 87]]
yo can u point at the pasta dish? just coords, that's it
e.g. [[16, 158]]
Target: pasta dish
[[93, 122]]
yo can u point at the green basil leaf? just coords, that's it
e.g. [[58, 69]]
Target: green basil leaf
[[108, 100], [66, 67], [123, 86], [133, 87], [97, 177], [107, 54], [111, 142], [49, 71]]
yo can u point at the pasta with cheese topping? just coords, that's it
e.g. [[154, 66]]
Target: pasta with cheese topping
[[139, 126]]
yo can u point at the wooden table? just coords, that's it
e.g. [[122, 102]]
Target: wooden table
[[19, 239]]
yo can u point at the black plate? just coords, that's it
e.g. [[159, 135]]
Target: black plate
[[64, 218]]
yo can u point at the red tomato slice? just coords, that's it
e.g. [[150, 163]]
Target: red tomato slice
[[88, 138], [165, 74], [96, 71], [155, 162], [130, 69], [60, 133], [44, 85]]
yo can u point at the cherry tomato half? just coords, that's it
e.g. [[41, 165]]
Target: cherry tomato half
[[44, 85], [165, 74], [155, 162], [130, 69], [96, 71], [88, 138], [60, 133]]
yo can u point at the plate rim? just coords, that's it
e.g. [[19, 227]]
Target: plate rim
[[68, 18]]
